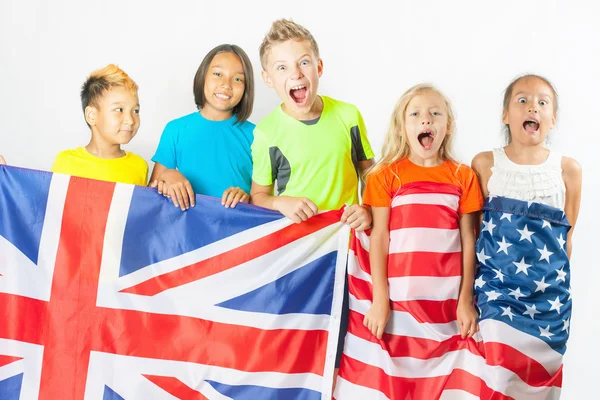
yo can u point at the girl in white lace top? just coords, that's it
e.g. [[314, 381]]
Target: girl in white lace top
[[525, 169]]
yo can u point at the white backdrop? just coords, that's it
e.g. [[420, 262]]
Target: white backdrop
[[371, 53]]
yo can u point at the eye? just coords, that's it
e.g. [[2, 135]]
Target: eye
[[543, 102], [238, 79], [119, 109], [281, 68], [436, 113], [136, 111], [413, 114], [217, 74], [304, 63], [522, 100]]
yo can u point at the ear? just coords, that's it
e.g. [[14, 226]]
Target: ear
[[266, 79], [553, 121], [504, 117], [90, 115], [320, 67]]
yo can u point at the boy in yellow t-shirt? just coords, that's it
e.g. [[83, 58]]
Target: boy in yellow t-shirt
[[112, 111]]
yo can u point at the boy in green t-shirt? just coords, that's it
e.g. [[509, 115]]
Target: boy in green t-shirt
[[315, 147]]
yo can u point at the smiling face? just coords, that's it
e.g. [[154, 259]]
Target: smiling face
[[223, 86], [530, 112], [426, 125], [293, 70]]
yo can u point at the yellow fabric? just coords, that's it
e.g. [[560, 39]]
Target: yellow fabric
[[130, 168]]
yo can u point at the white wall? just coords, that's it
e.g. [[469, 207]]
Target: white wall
[[371, 53]]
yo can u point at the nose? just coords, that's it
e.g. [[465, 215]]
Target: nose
[[533, 109], [296, 73], [426, 120]]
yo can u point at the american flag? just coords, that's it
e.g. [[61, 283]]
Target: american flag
[[524, 296], [421, 354], [517, 354], [107, 291]]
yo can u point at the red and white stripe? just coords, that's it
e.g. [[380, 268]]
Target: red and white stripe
[[421, 355]]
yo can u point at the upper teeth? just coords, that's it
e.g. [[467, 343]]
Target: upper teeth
[[223, 96], [298, 87]]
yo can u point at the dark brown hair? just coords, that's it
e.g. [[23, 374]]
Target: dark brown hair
[[508, 94], [243, 109]]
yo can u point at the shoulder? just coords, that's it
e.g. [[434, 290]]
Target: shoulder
[[572, 170], [246, 127], [348, 110], [483, 161], [70, 154], [182, 122]]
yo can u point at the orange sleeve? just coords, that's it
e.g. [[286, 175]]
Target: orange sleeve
[[378, 190], [471, 199]]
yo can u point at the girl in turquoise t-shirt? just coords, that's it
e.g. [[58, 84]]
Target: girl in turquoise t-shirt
[[208, 152]]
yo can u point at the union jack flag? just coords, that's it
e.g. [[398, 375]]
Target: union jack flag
[[107, 291]]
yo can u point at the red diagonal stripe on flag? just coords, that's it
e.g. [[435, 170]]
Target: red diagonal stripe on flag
[[175, 387], [234, 257], [5, 360]]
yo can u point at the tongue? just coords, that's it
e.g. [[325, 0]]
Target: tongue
[[426, 141], [531, 127], [298, 95]]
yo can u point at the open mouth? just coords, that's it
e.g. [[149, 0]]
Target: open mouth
[[426, 139], [531, 126], [299, 94], [222, 96]]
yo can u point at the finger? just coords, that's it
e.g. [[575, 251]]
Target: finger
[[471, 331], [245, 198], [180, 197], [229, 198], [312, 206], [2, 160], [173, 197], [161, 187], [366, 321], [463, 329], [380, 329], [363, 226], [356, 223], [308, 211], [190, 193], [237, 199], [184, 200], [154, 183], [294, 217], [347, 212], [225, 194], [301, 214]]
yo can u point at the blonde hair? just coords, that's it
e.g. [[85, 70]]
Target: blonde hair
[[281, 31], [395, 146], [101, 80]]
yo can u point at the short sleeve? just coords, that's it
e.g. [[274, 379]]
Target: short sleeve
[[60, 164], [262, 172], [471, 199], [166, 153], [360, 140], [379, 189]]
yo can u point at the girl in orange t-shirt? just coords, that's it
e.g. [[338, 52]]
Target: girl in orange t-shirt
[[420, 265]]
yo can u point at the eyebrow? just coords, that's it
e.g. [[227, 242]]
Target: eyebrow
[[117, 103], [221, 67], [524, 93], [283, 61]]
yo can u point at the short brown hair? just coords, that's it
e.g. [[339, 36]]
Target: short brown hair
[[508, 94], [243, 109], [100, 81], [281, 31]]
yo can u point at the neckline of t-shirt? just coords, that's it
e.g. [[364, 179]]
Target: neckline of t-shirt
[[229, 121], [320, 117], [511, 162], [90, 155], [421, 166]]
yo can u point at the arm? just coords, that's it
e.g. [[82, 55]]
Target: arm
[[379, 313], [572, 177], [465, 312], [482, 165], [297, 209], [358, 216], [171, 183]]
